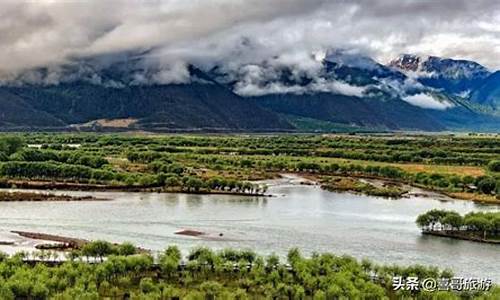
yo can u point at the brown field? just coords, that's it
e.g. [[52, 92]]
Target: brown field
[[443, 169], [116, 123]]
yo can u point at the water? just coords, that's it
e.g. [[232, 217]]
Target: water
[[299, 216]]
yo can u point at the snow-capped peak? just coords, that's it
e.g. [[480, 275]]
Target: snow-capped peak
[[433, 66]]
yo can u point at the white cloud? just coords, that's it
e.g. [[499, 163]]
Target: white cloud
[[427, 101], [338, 87]]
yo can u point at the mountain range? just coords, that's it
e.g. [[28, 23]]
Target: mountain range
[[340, 91]]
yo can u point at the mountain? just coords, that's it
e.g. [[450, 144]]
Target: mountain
[[452, 76], [341, 90], [351, 89], [488, 92], [188, 106], [392, 114], [15, 111]]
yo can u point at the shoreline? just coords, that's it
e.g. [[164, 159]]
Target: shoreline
[[71, 242], [464, 196], [81, 187], [65, 242], [311, 178], [459, 236]]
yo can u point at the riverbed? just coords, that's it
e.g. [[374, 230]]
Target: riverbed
[[298, 215]]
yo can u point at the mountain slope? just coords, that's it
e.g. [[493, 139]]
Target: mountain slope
[[15, 112], [392, 114], [184, 106], [488, 93]]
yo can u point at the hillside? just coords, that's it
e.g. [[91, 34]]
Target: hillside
[[15, 111], [488, 93], [194, 106], [392, 114]]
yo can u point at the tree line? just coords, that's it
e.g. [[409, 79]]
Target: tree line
[[205, 274]]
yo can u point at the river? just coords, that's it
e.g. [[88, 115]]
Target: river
[[300, 216]]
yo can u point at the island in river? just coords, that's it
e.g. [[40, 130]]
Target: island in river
[[14, 196], [481, 227]]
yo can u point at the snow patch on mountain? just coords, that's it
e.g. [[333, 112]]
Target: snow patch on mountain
[[433, 66]]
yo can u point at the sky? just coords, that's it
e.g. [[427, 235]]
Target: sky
[[232, 33]]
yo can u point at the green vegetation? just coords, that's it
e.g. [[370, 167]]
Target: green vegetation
[[341, 184], [478, 226], [494, 166], [464, 167], [10, 145], [27, 196], [228, 274]]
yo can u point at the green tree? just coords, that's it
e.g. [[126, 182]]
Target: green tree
[[453, 219], [486, 185], [126, 249], [11, 144], [494, 166]]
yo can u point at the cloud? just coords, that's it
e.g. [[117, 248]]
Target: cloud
[[338, 87], [232, 34], [255, 80], [427, 101]]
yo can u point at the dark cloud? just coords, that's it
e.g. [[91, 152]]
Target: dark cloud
[[236, 33]]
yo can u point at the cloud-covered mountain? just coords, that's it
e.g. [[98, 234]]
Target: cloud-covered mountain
[[117, 94], [453, 76], [337, 87]]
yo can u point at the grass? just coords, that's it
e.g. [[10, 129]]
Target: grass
[[443, 169], [410, 167], [475, 197]]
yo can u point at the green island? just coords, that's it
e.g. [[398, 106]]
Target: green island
[[120, 272], [475, 226], [30, 196], [346, 184]]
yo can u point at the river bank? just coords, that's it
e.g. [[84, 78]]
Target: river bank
[[392, 188], [460, 236], [65, 242], [362, 184], [84, 187]]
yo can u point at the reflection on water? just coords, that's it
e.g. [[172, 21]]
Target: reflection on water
[[298, 216]]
